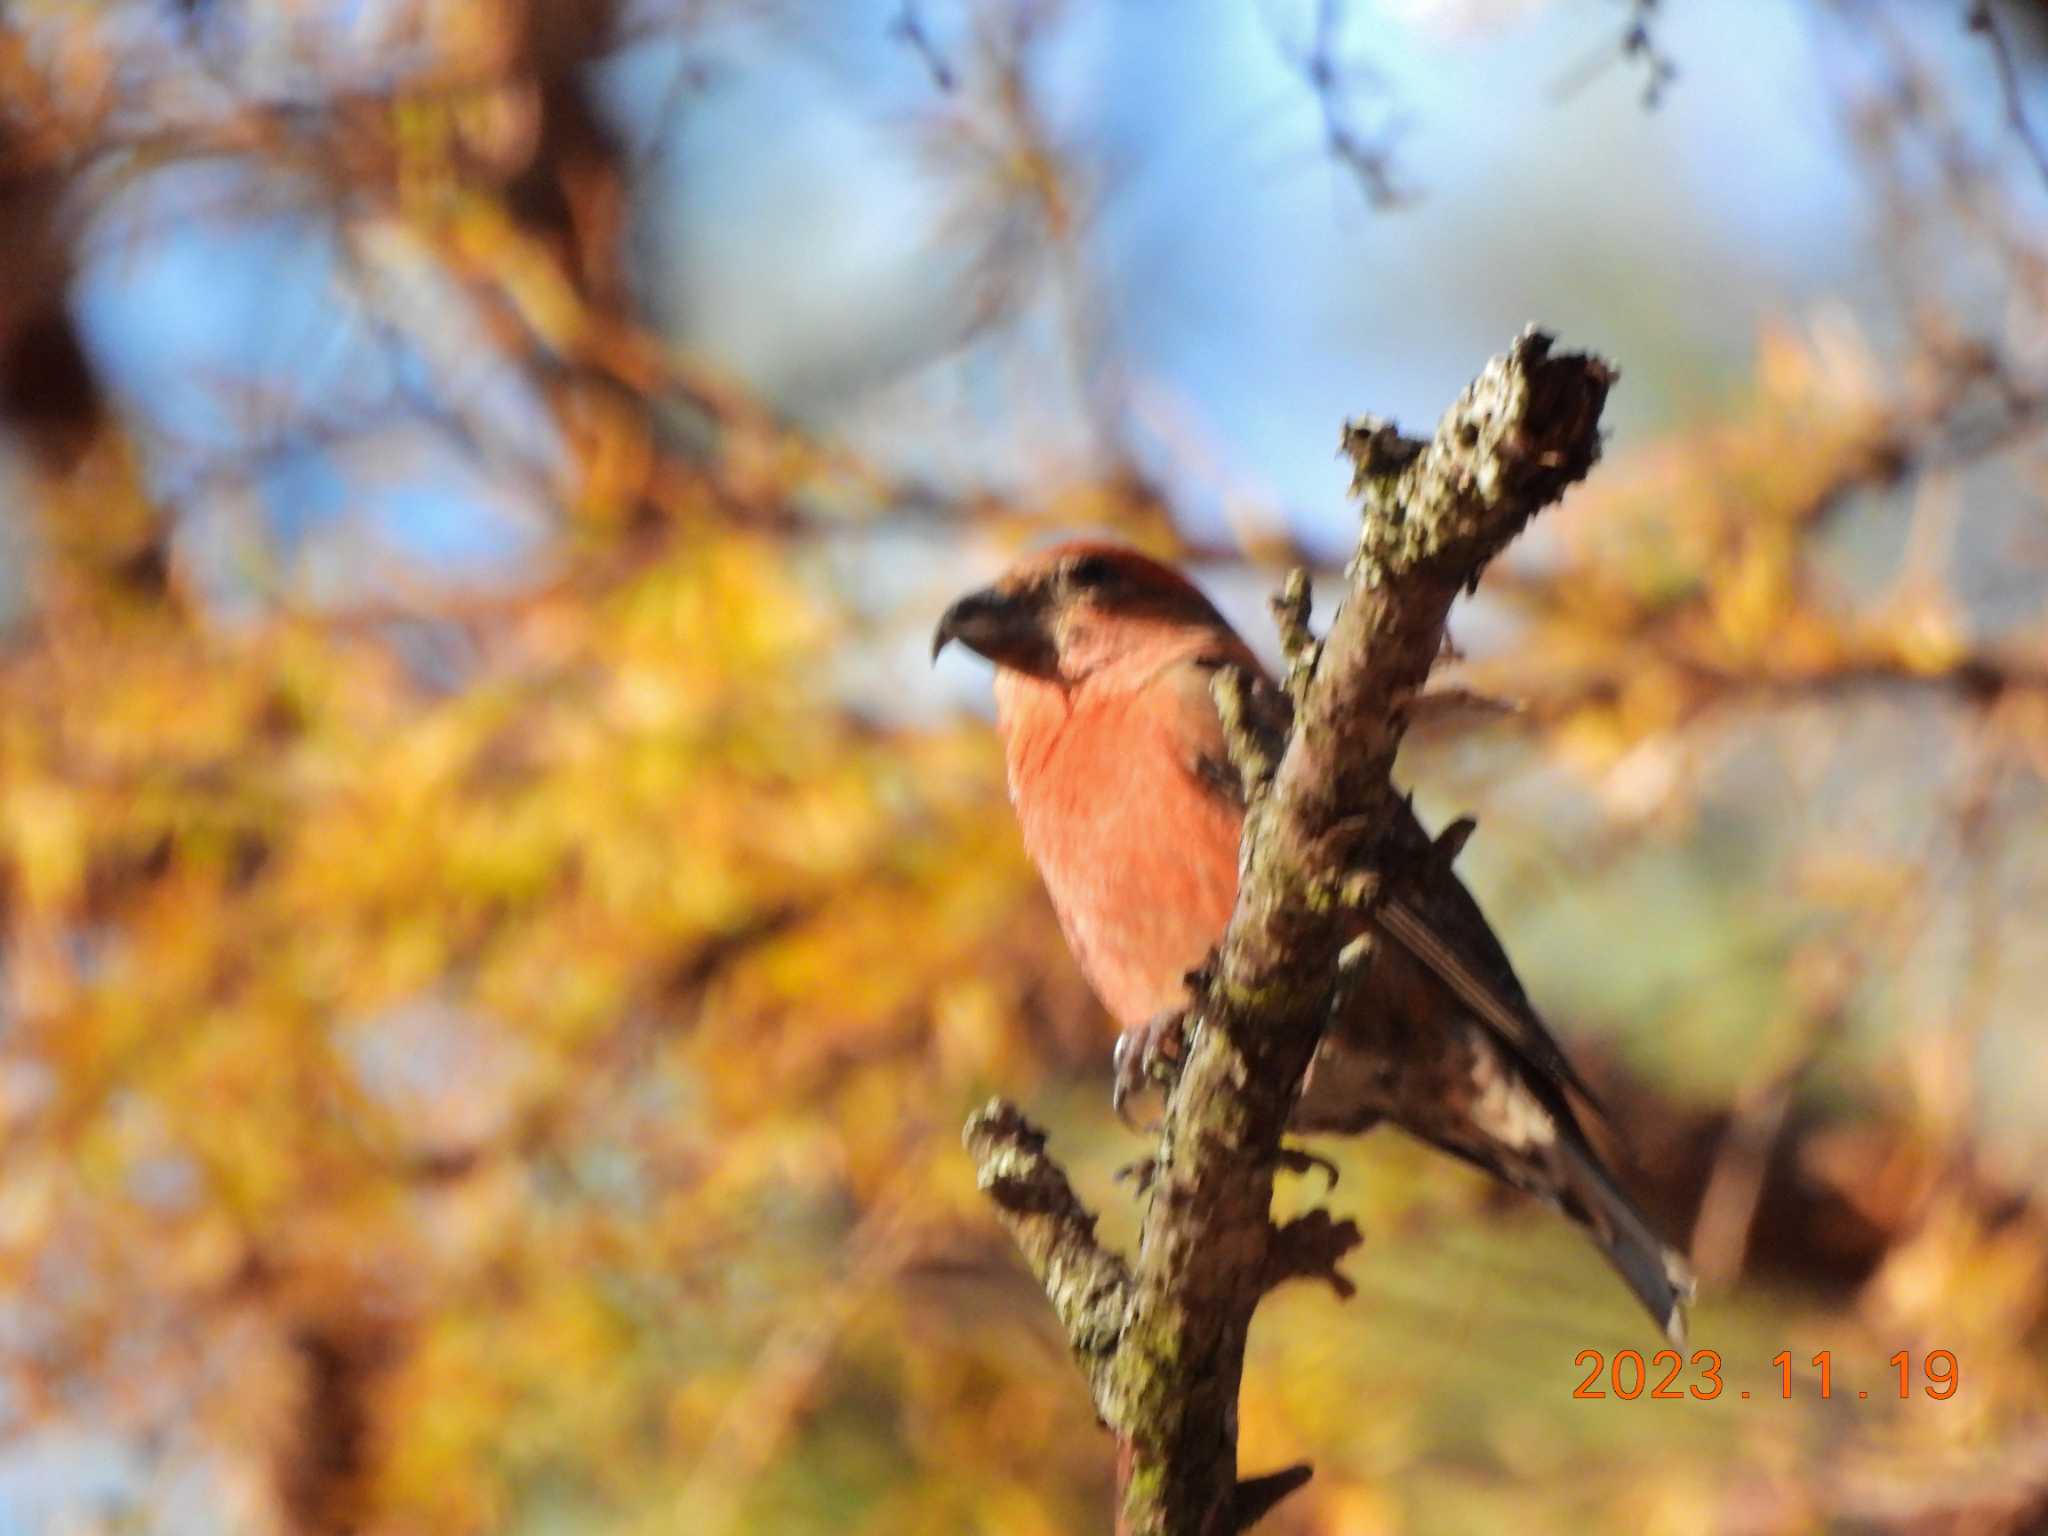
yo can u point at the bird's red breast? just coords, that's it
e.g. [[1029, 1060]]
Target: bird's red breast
[[1138, 854]]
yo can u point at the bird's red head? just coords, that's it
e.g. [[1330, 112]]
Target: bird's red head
[[1064, 613]]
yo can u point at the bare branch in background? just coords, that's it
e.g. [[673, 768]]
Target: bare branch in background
[[1982, 20], [908, 27], [1637, 43], [1336, 84]]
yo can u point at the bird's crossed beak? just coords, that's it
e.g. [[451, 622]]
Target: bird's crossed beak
[[1008, 628]]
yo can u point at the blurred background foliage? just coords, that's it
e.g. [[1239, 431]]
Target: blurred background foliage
[[499, 926]]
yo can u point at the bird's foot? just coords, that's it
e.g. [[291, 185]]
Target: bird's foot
[[1294, 1160], [1150, 1052]]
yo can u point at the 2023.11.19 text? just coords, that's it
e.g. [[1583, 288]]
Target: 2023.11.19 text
[[1669, 1376]]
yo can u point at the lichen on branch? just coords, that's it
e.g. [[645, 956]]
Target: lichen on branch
[[1089, 1287]]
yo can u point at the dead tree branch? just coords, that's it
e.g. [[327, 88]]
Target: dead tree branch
[[1163, 1343]]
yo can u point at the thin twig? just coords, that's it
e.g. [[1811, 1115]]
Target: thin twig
[[1637, 42], [908, 27], [1984, 21], [1368, 157]]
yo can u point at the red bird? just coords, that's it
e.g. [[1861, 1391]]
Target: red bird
[[1132, 810]]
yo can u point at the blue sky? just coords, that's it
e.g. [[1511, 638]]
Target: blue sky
[[329, 416], [794, 230]]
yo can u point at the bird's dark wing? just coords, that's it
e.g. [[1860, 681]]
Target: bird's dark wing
[[1436, 920], [1431, 915]]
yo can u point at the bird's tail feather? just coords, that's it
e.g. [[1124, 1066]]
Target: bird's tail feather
[[1661, 1279]]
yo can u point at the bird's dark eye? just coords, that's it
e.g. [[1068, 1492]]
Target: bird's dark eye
[[1092, 572]]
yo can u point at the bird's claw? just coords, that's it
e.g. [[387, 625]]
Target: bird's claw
[[1147, 1053]]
